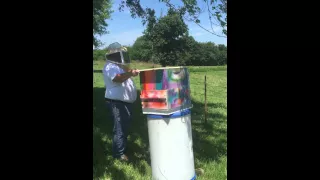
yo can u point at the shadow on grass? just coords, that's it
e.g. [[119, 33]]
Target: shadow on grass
[[137, 147], [97, 71], [209, 140]]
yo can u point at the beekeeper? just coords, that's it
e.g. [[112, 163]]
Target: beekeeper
[[120, 94]]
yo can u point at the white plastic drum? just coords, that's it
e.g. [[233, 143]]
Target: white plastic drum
[[170, 139]]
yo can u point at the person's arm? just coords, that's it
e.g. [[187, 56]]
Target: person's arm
[[120, 78]]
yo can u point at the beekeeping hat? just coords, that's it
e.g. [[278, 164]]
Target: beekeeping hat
[[117, 54]]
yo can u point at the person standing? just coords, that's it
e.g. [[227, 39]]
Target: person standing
[[120, 94]]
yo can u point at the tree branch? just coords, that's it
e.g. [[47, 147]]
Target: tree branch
[[173, 7], [208, 30], [210, 15]]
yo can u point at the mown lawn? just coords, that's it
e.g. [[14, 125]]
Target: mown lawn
[[209, 141]]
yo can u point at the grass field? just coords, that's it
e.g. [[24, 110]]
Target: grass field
[[209, 141]]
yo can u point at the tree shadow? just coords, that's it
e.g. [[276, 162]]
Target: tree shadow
[[209, 140], [137, 147], [118, 174], [97, 71], [99, 160]]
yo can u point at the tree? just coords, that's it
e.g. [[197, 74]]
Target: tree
[[190, 10], [222, 55], [101, 12], [219, 8], [99, 54], [193, 53], [141, 49], [169, 36]]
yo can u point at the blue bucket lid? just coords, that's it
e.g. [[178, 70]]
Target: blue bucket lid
[[174, 115]]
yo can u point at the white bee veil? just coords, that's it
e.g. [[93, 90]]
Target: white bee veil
[[117, 54]]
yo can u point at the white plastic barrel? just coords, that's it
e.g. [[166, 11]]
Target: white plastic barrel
[[170, 139]]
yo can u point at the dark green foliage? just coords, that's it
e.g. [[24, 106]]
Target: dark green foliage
[[101, 12], [99, 55], [141, 49], [190, 9], [166, 41]]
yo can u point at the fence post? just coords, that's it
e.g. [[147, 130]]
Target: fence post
[[205, 98]]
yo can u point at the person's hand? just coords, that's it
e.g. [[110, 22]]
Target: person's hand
[[134, 72]]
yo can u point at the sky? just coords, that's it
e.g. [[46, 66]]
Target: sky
[[125, 29]]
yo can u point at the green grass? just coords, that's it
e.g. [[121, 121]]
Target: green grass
[[209, 141]]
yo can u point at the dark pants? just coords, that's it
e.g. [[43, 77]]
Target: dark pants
[[121, 114]]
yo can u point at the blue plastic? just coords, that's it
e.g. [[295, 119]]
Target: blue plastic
[[194, 177], [174, 115]]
